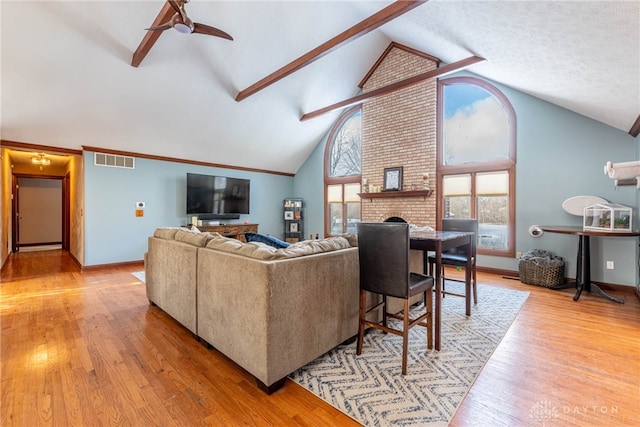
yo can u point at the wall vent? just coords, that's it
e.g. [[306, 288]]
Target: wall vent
[[114, 161]]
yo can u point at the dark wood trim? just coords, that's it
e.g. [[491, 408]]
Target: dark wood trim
[[394, 45], [509, 274], [96, 267], [515, 275], [151, 37], [75, 261], [176, 160], [66, 211], [26, 245], [635, 129], [369, 24], [36, 147], [391, 194], [15, 230], [397, 86], [615, 287]]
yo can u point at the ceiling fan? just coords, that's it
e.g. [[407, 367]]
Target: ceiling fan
[[183, 24]]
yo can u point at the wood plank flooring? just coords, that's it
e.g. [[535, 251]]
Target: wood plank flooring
[[87, 349]]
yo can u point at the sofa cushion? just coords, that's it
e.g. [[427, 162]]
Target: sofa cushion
[[269, 240], [195, 239], [168, 233], [352, 238], [323, 245], [259, 250]]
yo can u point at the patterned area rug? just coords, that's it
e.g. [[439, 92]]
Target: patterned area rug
[[139, 275], [371, 389]]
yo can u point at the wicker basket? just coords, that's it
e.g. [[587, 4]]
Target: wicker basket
[[533, 274]]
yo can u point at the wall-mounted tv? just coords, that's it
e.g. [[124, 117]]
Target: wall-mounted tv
[[213, 197]]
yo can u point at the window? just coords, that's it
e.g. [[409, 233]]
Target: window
[[477, 160], [342, 174]]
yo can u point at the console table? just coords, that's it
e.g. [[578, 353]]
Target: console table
[[583, 266], [235, 231]]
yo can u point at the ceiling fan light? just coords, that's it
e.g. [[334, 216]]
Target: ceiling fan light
[[182, 28]]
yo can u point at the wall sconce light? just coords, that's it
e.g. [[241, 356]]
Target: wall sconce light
[[41, 160]]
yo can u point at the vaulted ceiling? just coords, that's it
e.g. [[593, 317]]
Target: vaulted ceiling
[[67, 79]]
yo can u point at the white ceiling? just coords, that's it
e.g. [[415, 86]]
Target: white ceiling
[[67, 79]]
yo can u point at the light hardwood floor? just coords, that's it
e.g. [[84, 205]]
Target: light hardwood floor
[[87, 349]]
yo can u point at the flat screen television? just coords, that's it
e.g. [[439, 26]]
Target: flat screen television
[[213, 197]]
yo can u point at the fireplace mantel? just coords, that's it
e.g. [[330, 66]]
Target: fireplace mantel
[[390, 194]]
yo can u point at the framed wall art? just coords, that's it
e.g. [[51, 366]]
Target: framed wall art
[[392, 179]]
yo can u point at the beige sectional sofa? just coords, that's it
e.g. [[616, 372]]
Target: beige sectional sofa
[[269, 310], [170, 272]]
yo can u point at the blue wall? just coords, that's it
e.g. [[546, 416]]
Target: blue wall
[[560, 154], [114, 234]]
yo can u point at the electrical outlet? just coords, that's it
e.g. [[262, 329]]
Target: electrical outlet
[[610, 265], [518, 255]]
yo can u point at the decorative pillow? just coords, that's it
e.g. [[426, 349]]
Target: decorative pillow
[[269, 240]]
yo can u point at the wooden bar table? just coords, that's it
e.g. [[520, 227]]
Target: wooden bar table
[[583, 266], [438, 241]]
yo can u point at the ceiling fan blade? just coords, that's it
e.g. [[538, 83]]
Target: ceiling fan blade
[[160, 27], [210, 31]]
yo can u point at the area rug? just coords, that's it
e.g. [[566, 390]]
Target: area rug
[[371, 389], [139, 275]]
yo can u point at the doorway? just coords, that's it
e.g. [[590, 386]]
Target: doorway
[[40, 212]]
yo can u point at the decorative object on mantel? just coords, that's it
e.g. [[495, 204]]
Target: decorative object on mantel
[[625, 173], [392, 179], [365, 185], [425, 181]]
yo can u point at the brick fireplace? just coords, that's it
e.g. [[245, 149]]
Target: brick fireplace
[[400, 130]]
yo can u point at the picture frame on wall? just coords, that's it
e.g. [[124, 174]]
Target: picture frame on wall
[[392, 179], [288, 215], [293, 227]]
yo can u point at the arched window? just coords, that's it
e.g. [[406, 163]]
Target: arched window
[[342, 174], [477, 160]]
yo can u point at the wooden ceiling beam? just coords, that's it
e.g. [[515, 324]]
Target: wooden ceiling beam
[[152, 36], [369, 24], [397, 86], [635, 129]]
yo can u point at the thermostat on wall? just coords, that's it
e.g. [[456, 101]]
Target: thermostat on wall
[[140, 205]]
